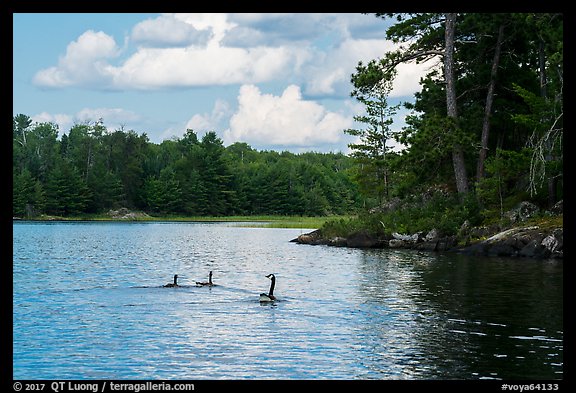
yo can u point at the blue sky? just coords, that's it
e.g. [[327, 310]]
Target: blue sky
[[274, 81]]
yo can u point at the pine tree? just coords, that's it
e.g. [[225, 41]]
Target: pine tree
[[371, 151]]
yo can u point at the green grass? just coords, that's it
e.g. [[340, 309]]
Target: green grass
[[261, 221], [268, 221], [546, 223], [256, 221]]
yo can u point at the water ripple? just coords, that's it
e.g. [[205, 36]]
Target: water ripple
[[89, 303]]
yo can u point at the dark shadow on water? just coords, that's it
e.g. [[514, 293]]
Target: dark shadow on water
[[454, 316]]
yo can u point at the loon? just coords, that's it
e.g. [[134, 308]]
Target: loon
[[174, 284], [270, 296], [209, 283]]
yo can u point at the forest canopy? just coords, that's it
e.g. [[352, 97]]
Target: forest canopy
[[90, 170]]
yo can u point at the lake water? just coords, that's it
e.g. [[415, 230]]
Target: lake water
[[88, 303]]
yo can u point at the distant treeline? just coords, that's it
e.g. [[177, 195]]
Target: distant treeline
[[91, 170]]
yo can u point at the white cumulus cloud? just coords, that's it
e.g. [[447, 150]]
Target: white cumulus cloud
[[151, 68], [110, 116], [407, 81], [63, 121], [210, 121], [329, 72], [285, 120], [166, 30], [179, 50], [85, 62], [316, 51], [219, 24]]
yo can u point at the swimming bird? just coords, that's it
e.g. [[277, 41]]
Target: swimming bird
[[208, 283], [174, 284], [270, 296]]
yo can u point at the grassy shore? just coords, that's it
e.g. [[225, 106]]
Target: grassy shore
[[270, 221], [260, 221]]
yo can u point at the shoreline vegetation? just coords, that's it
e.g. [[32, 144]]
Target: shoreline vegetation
[[539, 236], [526, 231], [260, 221]]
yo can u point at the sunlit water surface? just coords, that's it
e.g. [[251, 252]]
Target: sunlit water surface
[[88, 303]]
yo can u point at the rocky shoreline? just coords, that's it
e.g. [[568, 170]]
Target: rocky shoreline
[[530, 241]]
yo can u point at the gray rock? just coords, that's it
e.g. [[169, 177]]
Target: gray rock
[[432, 235], [407, 238], [338, 242], [558, 208], [361, 240], [534, 249], [522, 212], [396, 243]]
